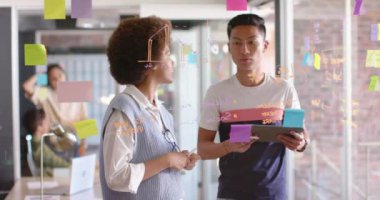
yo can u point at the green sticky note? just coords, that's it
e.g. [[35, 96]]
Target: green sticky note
[[35, 54], [374, 82], [86, 128], [54, 9]]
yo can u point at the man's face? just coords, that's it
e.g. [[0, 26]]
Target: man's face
[[247, 46]]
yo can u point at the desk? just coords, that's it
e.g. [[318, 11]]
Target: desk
[[20, 190]]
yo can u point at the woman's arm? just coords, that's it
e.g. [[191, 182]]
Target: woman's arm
[[118, 145], [29, 85]]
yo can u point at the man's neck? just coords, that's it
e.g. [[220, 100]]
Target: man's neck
[[250, 78]]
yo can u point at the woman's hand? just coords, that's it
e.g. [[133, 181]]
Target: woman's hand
[[177, 160], [192, 159]]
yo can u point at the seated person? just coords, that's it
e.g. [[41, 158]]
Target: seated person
[[36, 123]]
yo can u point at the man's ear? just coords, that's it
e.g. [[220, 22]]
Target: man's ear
[[229, 48], [266, 44]]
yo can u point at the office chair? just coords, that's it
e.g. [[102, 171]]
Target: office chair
[[32, 166]]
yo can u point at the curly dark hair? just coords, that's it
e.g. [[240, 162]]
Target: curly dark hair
[[129, 44]]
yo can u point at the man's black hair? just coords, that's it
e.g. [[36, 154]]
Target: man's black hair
[[246, 19], [32, 119]]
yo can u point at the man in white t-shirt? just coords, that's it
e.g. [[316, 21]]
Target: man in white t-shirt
[[252, 170]]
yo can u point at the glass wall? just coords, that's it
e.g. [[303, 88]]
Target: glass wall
[[336, 84]]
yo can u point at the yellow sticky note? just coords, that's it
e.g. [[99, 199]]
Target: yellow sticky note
[[54, 9], [317, 61], [186, 49], [374, 84], [373, 58], [42, 93], [86, 128], [35, 54], [378, 31]]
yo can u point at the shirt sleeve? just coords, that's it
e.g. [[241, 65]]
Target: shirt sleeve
[[210, 115], [50, 159], [35, 98], [291, 97], [118, 146]]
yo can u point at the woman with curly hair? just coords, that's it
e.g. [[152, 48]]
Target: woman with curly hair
[[139, 156]]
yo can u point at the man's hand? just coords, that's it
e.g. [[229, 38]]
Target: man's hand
[[239, 147], [292, 140]]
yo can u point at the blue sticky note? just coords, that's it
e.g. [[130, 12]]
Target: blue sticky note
[[240, 133], [42, 79], [293, 118], [192, 58], [305, 60]]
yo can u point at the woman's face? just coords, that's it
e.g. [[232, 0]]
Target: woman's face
[[56, 75], [165, 67]]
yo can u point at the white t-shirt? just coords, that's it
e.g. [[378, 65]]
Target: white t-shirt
[[64, 113], [231, 95]]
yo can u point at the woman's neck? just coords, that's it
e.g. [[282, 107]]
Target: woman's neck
[[148, 88]]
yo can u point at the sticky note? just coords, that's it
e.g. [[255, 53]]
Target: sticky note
[[293, 118], [35, 54], [186, 49], [74, 91], [317, 61], [373, 58], [240, 133], [374, 84], [54, 9], [81, 8], [235, 5], [307, 43], [192, 58], [305, 59], [86, 128], [42, 93], [42, 79], [358, 6], [374, 32]]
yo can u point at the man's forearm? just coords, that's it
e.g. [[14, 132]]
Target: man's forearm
[[211, 150]]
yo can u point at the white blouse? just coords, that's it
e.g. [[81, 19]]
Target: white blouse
[[121, 175]]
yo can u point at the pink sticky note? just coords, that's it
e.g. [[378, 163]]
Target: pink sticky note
[[74, 91], [358, 5], [240, 133], [234, 5], [81, 8]]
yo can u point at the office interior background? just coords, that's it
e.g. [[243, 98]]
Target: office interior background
[[321, 46]]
